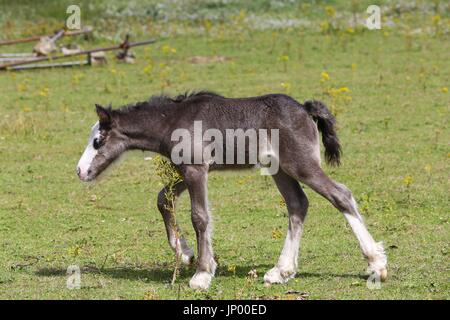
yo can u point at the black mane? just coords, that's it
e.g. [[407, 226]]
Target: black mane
[[189, 95], [162, 99]]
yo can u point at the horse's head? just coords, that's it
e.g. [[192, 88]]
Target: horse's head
[[105, 145]]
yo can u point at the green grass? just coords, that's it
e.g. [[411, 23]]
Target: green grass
[[394, 127]]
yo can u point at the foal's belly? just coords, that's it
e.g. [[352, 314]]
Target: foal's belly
[[224, 167]]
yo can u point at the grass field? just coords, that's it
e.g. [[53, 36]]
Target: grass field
[[388, 89]]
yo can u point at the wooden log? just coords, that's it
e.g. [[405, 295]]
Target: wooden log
[[12, 59], [66, 33], [17, 55], [124, 46], [50, 65]]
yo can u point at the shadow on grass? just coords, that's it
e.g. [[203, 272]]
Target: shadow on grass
[[130, 273], [165, 273], [243, 272], [331, 275]]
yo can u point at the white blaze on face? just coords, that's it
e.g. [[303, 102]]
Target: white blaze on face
[[89, 153]]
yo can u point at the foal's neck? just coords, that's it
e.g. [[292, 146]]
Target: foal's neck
[[144, 128]]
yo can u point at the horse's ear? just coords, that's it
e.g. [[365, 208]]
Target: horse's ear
[[104, 116]]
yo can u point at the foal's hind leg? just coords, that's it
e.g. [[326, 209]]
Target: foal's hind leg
[[297, 205], [176, 241], [341, 197]]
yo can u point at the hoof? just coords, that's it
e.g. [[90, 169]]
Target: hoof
[[201, 280], [383, 275], [378, 263], [276, 275]]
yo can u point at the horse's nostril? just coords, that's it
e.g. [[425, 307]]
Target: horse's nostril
[[78, 171], [89, 172]]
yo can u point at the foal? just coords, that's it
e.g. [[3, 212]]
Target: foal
[[150, 125]]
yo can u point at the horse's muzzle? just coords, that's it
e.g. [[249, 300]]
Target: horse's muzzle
[[84, 176]]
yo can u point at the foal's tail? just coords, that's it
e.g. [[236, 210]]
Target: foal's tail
[[326, 124]]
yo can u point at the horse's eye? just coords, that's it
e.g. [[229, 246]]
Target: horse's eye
[[96, 144]]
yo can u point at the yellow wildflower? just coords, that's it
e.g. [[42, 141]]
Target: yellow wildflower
[[22, 87], [325, 76], [436, 19], [44, 92], [286, 86], [408, 180], [166, 49], [232, 268], [276, 233], [330, 11], [324, 26], [148, 69]]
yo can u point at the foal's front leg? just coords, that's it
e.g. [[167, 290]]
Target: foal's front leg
[[195, 177], [176, 240]]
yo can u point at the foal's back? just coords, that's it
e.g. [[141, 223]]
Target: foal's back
[[272, 111]]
